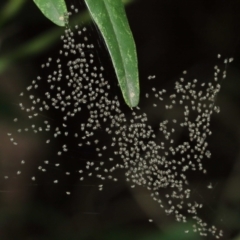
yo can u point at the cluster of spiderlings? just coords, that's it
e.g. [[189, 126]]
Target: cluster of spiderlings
[[147, 157]]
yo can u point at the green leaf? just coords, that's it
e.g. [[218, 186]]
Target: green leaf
[[54, 10], [111, 19]]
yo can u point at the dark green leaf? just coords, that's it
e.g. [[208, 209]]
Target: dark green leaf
[[54, 10], [111, 19]]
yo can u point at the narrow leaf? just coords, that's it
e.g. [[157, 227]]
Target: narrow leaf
[[54, 10], [111, 19]]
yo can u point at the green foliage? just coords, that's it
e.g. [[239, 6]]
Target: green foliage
[[54, 10], [111, 19]]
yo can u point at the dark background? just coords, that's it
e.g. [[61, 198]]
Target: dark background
[[171, 36]]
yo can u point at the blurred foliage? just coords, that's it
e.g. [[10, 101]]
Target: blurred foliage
[[9, 10]]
